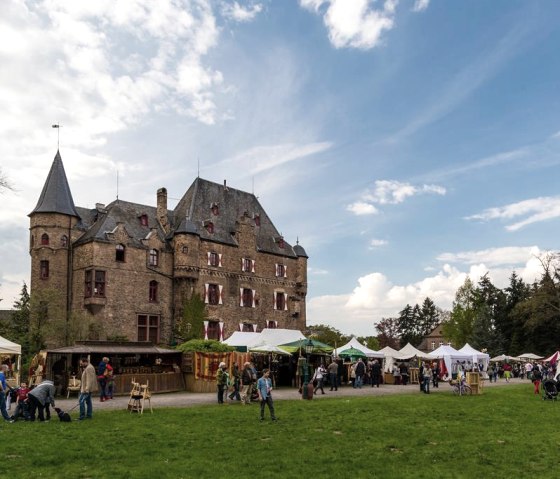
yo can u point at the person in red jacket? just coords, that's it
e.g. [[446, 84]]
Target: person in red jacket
[[21, 402]]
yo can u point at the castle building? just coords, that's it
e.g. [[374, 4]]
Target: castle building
[[126, 270]]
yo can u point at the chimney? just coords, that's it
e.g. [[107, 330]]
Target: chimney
[[162, 209], [225, 185]]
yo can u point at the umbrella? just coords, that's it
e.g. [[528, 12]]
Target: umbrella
[[352, 353], [318, 346]]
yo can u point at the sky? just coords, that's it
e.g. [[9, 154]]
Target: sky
[[406, 145]]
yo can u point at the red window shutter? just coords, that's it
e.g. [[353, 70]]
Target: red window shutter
[[285, 301], [208, 256], [206, 293], [220, 260], [221, 297], [274, 300], [285, 271], [240, 296], [252, 266], [254, 295]]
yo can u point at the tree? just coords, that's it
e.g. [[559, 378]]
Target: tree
[[512, 331], [191, 325], [21, 321], [429, 317], [372, 342], [327, 334], [409, 325], [489, 306], [458, 330], [388, 333]]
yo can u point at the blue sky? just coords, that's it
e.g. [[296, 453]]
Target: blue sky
[[406, 144]]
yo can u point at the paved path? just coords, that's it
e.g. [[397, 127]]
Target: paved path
[[189, 399]]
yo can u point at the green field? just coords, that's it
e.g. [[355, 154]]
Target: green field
[[504, 433]]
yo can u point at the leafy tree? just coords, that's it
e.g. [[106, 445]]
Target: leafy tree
[[327, 334], [372, 342], [388, 333], [205, 346], [458, 330], [191, 325]]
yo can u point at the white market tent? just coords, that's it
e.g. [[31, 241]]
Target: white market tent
[[529, 357], [269, 348], [410, 351], [477, 356], [270, 337], [504, 357], [10, 348], [354, 343], [554, 358], [450, 357], [390, 356]]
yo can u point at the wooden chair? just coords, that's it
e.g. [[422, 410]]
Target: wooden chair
[[74, 386], [139, 394]]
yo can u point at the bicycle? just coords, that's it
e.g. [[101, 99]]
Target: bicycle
[[460, 388]]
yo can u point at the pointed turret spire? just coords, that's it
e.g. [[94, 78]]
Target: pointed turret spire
[[56, 196]]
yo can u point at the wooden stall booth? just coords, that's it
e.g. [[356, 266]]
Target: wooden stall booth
[[139, 361]]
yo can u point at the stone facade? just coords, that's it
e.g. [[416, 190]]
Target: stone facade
[[125, 270]]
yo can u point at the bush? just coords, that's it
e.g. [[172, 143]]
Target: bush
[[204, 346]]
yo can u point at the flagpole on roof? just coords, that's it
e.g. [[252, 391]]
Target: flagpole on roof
[[57, 126]]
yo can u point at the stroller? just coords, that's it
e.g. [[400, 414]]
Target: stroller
[[550, 389]]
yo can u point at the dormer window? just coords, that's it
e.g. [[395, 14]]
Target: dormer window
[[209, 226], [257, 219], [280, 241], [44, 239], [215, 209], [144, 219], [119, 253]]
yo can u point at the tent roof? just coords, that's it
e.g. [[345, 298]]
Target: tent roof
[[445, 350], [268, 348], [9, 347], [272, 337], [468, 349], [389, 351], [124, 348], [354, 343], [554, 357], [239, 338], [410, 351], [530, 356], [504, 357], [318, 346]]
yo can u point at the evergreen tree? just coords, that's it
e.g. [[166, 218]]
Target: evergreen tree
[[513, 330], [409, 325], [458, 330], [429, 317]]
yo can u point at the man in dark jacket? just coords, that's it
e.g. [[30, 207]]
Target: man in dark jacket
[[247, 381], [375, 373], [360, 371]]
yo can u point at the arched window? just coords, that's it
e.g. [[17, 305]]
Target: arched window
[[153, 258], [153, 294], [64, 241], [45, 239], [119, 252]]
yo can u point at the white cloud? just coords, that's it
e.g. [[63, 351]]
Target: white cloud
[[360, 208], [376, 296], [239, 13], [354, 24], [509, 255], [376, 243], [391, 192], [535, 210], [420, 5]]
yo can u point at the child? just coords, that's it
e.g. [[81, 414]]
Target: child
[[264, 388], [21, 402]]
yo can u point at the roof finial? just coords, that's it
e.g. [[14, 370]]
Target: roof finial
[[57, 126]]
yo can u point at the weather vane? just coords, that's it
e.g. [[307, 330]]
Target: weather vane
[[57, 126]]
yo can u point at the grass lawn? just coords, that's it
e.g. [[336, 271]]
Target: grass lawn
[[504, 433]]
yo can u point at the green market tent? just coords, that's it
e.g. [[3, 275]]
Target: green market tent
[[318, 346]]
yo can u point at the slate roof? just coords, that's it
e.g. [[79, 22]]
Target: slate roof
[[194, 211], [56, 196]]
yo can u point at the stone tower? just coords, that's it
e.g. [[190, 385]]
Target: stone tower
[[52, 230]]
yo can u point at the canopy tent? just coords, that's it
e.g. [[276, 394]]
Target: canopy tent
[[504, 357], [410, 351], [10, 348], [244, 341], [300, 344], [451, 357], [390, 356], [477, 356], [352, 353], [269, 348], [529, 357], [553, 359], [354, 343]]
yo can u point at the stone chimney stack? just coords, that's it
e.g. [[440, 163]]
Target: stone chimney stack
[[162, 209]]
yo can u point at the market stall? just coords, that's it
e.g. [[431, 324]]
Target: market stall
[[142, 362]]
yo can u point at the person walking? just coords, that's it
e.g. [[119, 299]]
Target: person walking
[[427, 372], [264, 388], [360, 371], [87, 388], [333, 375], [222, 381], [435, 375], [319, 376], [102, 378], [236, 378], [537, 378], [375, 373], [246, 383]]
